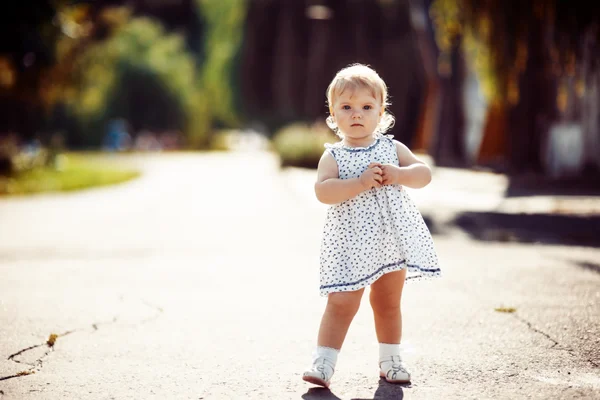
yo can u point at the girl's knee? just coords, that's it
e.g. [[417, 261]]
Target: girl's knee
[[344, 302], [386, 309], [385, 305]]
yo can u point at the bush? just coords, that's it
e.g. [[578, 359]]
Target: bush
[[302, 145], [16, 158], [220, 141], [142, 75], [30, 158], [223, 22], [8, 149]]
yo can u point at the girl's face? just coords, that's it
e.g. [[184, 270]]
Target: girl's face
[[357, 114]]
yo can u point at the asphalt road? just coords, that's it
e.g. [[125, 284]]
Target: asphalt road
[[200, 281]]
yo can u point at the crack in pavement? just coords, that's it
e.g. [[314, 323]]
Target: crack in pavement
[[95, 325], [39, 363], [555, 342], [531, 327]]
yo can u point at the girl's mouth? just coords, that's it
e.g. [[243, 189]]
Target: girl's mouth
[[356, 125]]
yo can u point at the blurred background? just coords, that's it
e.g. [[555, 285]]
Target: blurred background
[[213, 113], [508, 86]]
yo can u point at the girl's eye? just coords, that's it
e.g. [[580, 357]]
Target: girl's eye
[[367, 107], [346, 107]]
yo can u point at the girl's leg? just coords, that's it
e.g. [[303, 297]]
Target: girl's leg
[[386, 297], [339, 312]]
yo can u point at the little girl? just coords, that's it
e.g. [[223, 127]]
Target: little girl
[[374, 235]]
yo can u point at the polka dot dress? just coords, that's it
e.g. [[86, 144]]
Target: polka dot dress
[[379, 231]]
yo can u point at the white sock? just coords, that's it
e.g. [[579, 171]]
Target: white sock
[[386, 350], [328, 352]]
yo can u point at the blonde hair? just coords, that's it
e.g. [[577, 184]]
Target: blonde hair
[[359, 76]]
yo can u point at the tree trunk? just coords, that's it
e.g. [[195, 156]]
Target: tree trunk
[[448, 148], [401, 69], [287, 67], [429, 113], [492, 150], [256, 60], [319, 56], [590, 113]]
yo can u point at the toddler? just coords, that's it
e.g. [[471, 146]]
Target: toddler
[[374, 235]]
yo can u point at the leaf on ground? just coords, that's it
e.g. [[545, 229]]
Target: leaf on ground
[[52, 339], [505, 309]]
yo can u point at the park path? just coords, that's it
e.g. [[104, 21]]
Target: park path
[[199, 281]]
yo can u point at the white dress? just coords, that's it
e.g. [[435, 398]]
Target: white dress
[[379, 231]]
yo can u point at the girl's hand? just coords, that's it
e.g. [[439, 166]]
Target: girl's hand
[[372, 177], [391, 174]]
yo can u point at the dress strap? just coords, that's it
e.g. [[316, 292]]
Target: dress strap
[[331, 148]]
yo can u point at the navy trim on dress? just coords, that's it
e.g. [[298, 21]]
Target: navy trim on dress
[[357, 149], [430, 270], [339, 145], [330, 150]]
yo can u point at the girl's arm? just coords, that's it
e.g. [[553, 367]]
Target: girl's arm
[[330, 189], [413, 172]]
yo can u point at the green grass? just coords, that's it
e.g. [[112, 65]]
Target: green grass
[[77, 172]]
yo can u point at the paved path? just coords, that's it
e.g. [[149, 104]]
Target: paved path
[[199, 281]]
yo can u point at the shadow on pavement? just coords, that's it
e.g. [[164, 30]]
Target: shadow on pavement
[[319, 394], [588, 265], [385, 391], [531, 228], [542, 186], [388, 391], [431, 225]]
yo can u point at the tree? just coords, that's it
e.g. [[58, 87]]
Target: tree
[[535, 58], [292, 50], [140, 74], [27, 38]]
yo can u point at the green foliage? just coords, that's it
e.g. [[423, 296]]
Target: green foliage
[[9, 148], [224, 23], [461, 23], [221, 140], [131, 69], [446, 17], [142, 75], [302, 145], [496, 37], [15, 159], [26, 161], [480, 58]]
